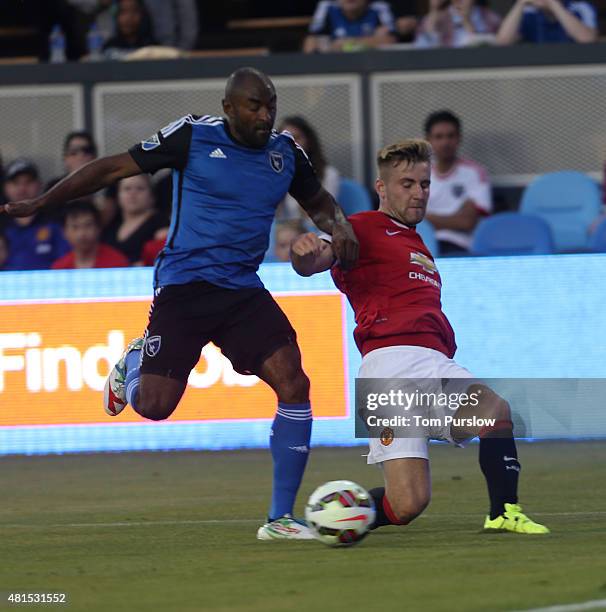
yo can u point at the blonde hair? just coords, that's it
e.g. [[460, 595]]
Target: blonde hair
[[410, 151]]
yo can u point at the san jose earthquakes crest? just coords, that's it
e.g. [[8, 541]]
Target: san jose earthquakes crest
[[276, 161]]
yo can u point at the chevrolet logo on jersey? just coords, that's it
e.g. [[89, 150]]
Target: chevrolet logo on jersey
[[422, 260]]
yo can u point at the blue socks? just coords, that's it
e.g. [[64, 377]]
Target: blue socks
[[289, 444], [133, 362]]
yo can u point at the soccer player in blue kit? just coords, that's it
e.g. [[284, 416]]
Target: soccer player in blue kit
[[229, 174]]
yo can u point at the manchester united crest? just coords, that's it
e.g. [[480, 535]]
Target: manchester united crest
[[387, 436]]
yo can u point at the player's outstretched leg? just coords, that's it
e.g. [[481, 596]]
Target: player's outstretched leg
[[116, 386], [289, 442], [499, 463]]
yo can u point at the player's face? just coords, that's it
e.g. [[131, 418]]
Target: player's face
[[135, 195], [81, 232], [252, 115], [444, 139], [404, 191], [22, 187]]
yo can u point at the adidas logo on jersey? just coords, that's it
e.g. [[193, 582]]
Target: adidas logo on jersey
[[218, 154]]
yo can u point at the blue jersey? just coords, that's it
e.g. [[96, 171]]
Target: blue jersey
[[35, 246], [329, 20], [225, 196]]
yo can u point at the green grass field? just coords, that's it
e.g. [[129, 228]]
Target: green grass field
[[176, 531]]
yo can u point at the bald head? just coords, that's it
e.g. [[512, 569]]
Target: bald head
[[250, 106], [247, 79]]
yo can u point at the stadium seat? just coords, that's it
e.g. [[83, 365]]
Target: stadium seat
[[512, 233], [568, 201], [353, 197], [597, 242], [428, 233]]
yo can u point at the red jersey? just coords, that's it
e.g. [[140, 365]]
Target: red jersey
[[107, 257], [394, 289]]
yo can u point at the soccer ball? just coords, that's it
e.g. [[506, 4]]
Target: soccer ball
[[340, 512]]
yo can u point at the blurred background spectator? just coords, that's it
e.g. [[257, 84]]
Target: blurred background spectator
[[350, 25], [34, 243], [82, 230], [456, 23], [284, 234], [549, 21], [406, 22], [133, 30], [174, 22], [138, 221], [307, 138], [460, 191]]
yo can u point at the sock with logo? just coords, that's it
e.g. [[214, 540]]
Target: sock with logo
[[499, 463], [133, 363], [289, 444], [384, 513]]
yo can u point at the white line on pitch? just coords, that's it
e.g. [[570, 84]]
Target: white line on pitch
[[596, 604], [244, 521]]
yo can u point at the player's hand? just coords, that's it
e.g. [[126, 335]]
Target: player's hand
[[24, 208], [345, 245], [307, 245]]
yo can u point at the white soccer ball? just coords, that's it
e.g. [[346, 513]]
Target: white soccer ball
[[340, 513]]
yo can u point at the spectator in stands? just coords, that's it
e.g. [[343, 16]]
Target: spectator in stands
[[350, 25], [133, 30], [79, 148], [139, 220], [456, 23], [460, 191], [35, 244], [405, 12], [549, 21], [307, 138], [174, 22], [82, 229], [285, 233], [3, 252]]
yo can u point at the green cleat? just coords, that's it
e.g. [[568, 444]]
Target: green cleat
[[114, 394], [514, 520]]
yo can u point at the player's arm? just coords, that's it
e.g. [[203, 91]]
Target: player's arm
[[309, 254], [169, 148], [464, 220], [323, 210], [328, 217], [89, 179]]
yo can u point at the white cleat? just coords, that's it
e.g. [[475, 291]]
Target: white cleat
[[114, 393], [285, 528]]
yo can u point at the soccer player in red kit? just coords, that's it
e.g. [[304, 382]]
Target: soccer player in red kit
[[395, 291]]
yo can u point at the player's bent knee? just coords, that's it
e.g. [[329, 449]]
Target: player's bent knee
[[155, 408], [409, 507], [295, 389]]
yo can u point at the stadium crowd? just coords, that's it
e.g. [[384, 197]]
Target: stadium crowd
[[117, 29], [127, 224]]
